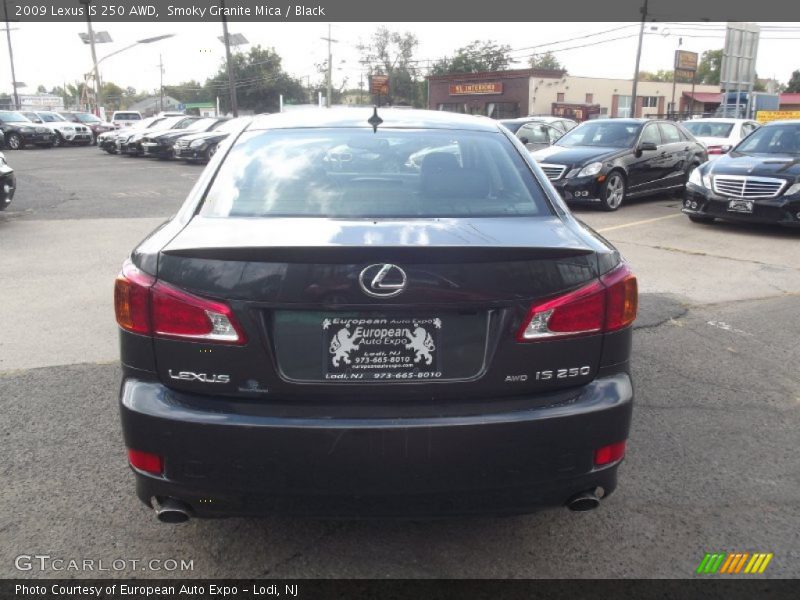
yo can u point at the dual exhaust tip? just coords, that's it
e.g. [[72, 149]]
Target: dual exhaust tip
[[169, 510]]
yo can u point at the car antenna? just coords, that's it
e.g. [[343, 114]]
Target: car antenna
[[375, 120]]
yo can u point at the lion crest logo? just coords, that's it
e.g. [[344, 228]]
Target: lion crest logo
[[342, 345], [422, 344]]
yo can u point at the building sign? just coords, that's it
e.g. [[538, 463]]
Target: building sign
[[684, 74], [464, 89], [379, 84], [686, 61], [765, 116]]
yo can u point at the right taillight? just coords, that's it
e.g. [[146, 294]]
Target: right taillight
[[148, 307], [602, 306]]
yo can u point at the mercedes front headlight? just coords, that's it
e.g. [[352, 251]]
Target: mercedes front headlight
[[591, 169], [198, 144]]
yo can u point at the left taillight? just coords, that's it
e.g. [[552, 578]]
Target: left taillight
[[605, 305], [149, 307], [132, 299]]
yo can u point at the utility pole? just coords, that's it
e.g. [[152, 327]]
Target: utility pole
[[161, 81], [98, 93], [231, 78], [11, 56], [638, 57], [330, 65], [675, 75]]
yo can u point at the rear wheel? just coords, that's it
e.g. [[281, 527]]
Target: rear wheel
[[612, 193], [15, 141], [701, 219]]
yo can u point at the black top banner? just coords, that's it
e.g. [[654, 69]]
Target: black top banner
[[275, 11]]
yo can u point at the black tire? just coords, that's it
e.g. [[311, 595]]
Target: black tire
[[57, 140], [701, 219], [612, 193], [210, 152], [15, 142]]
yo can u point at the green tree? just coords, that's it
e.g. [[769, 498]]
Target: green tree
[[475, 57], [260, 80], [708, 71], [546, 61], [391, 53], [794, 82], [189, 91], [113, 96]]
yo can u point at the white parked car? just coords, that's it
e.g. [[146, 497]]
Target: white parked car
[[125, 118], [64, 132], [721, 134]]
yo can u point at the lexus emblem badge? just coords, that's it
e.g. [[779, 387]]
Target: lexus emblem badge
[[382, 280]]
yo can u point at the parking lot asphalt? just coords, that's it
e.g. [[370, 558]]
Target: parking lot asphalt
[[711, 464]]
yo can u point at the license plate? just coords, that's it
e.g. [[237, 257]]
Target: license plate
[[741, 206], [381, 348]]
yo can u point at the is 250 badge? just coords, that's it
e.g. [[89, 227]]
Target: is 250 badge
[[562, 373]]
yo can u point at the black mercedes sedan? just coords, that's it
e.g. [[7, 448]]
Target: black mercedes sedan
[[603, 162], [201, 147], [758, 181], [129, 141], [160, 144], [432, 338]]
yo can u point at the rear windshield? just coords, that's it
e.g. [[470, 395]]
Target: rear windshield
[[717, 130], [127, 116], [351, 173]]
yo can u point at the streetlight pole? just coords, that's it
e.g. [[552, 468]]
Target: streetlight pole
[[231, 79], [638, 57], [11, 57], [98, 95]]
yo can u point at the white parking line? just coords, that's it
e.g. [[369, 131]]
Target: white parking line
[[635, 223]]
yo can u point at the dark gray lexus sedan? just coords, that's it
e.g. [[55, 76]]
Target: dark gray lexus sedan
[[374, 312]]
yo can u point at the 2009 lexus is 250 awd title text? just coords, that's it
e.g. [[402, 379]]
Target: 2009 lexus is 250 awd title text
[[374, 312]]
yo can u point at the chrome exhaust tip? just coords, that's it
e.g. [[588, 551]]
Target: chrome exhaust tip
[[169, 510], [583, 501]]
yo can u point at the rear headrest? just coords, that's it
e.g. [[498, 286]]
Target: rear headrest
[[442, 177]]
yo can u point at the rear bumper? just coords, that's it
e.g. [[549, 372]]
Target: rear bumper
[[238, 459]]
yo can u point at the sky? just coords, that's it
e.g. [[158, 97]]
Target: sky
[[51, 54]]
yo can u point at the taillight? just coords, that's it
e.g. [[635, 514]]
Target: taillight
[[605, 305], [718, 149], [147, 307], [145, 461], [132, 298], [179, 314], [609, 454]]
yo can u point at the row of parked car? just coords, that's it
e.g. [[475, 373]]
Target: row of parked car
[[46, 128], [730, 169], [171, 135]]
